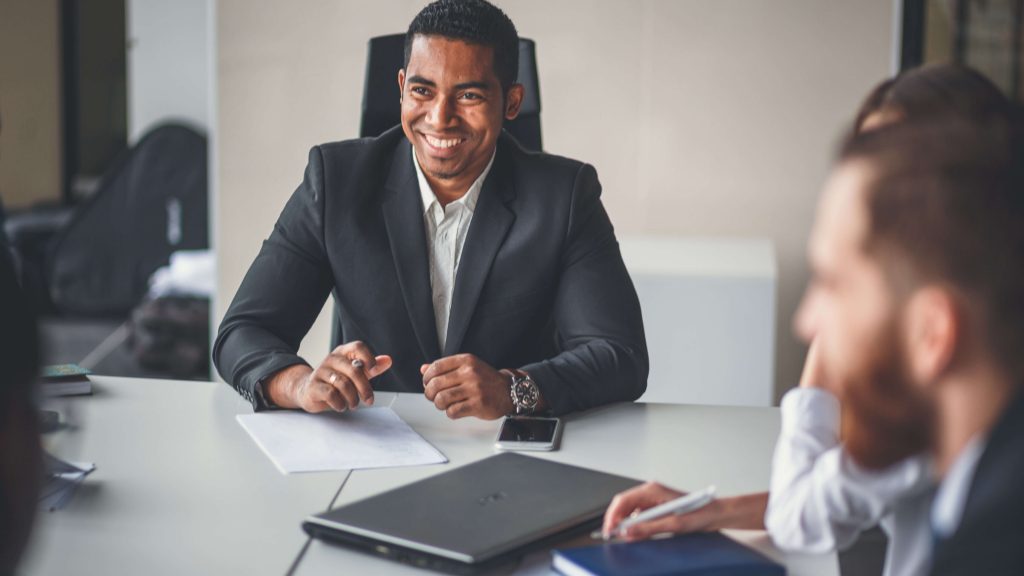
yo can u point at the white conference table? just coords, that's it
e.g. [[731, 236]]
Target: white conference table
[[180, 488]]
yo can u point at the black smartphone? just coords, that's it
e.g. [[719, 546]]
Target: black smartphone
[[529, 433]]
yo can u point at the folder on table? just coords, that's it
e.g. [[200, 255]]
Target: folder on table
[[706, 554]]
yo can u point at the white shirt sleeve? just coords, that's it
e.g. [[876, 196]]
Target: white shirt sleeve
[[820, 500]]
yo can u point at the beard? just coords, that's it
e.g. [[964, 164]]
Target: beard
[[445, 175], [885, 416]]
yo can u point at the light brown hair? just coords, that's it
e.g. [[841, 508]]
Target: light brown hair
[[945, 203], [936, 92]]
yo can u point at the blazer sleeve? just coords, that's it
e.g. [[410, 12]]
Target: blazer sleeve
[[596, 312], [281, 295]]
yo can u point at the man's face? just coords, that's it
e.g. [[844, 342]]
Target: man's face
[[453, 106], [851, 309]]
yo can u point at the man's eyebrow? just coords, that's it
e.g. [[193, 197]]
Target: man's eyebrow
[[421, 80], [478, 85]]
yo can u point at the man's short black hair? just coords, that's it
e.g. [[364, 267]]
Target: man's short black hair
[[475, 22]]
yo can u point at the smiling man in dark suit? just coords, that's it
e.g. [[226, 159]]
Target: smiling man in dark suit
[[463, 267]]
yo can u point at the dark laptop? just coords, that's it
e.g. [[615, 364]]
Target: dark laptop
[[475, 517]]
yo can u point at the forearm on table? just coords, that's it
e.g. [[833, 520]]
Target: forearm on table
[[589, 375], [247, 356], [744, 512]]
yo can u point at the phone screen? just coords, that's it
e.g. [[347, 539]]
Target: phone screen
[[528, 430]]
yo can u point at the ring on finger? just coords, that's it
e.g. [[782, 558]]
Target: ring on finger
[[357, 363], [333, 378]]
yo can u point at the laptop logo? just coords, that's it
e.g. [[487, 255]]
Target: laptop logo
[[492, 498]]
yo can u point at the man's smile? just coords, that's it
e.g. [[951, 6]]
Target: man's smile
[[442, 146]]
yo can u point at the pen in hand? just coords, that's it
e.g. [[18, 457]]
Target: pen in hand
[[682, 505]]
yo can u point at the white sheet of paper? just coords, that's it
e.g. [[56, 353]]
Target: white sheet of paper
[[365, 438]]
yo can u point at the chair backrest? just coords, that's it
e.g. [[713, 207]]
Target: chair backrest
[[7, 254], [381, 109], [152, 202]]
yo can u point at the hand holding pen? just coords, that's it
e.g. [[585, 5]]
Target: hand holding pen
[[654, 509]]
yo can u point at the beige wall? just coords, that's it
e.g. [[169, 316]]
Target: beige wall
[[30, 161], [703, 117]]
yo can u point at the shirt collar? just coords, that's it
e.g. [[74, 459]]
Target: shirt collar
[[951, 498], [469, 199]]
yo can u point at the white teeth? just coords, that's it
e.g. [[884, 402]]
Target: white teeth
[[439, 143]]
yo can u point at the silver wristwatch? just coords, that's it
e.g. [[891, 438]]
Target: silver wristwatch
[[525, 394]]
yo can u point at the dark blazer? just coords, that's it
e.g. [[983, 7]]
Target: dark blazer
[[990, 538], [541, 285]]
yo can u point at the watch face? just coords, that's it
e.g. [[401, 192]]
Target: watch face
[[527, 394]]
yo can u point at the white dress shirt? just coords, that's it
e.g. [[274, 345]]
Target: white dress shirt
[[951, 497], [446, 230], [820, 500]]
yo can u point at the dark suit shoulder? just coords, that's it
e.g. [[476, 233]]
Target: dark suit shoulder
[[361, 146], [990, 532], [999, 476], [549, 176], [360, 151], [358, 165], [544, 161]]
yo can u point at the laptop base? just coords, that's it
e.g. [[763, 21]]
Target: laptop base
[[420, 559]]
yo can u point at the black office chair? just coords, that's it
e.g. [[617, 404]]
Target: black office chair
[[7, 253], [381, 109], [150, 203], [385, 56]]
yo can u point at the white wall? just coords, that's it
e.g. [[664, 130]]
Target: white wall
[[168, 63], [703, 117]]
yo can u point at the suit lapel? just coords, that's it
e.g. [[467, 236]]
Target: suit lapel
[[1002, 451], [403, 218], [491, 222]]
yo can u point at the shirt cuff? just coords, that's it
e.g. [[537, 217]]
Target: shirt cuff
[[261, 400], [811, 409]]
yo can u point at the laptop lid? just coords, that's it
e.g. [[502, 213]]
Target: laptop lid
[[478, 511]]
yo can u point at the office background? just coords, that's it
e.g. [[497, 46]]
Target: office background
[[703, 118]]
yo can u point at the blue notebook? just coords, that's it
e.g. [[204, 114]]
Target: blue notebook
[[704, 554]]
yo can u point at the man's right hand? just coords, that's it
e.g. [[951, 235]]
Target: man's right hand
[[336, 384]]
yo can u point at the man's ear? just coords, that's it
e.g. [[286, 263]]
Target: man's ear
[[513, 101], [401, 83], [933, 333]]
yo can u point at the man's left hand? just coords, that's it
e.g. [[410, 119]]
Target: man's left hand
[[464, 385]]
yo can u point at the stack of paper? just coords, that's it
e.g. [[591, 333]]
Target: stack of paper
[[66, 380], [61, 480], [364, 438]]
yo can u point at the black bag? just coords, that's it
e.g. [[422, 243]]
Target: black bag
[[171, 335], [151, 203]]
